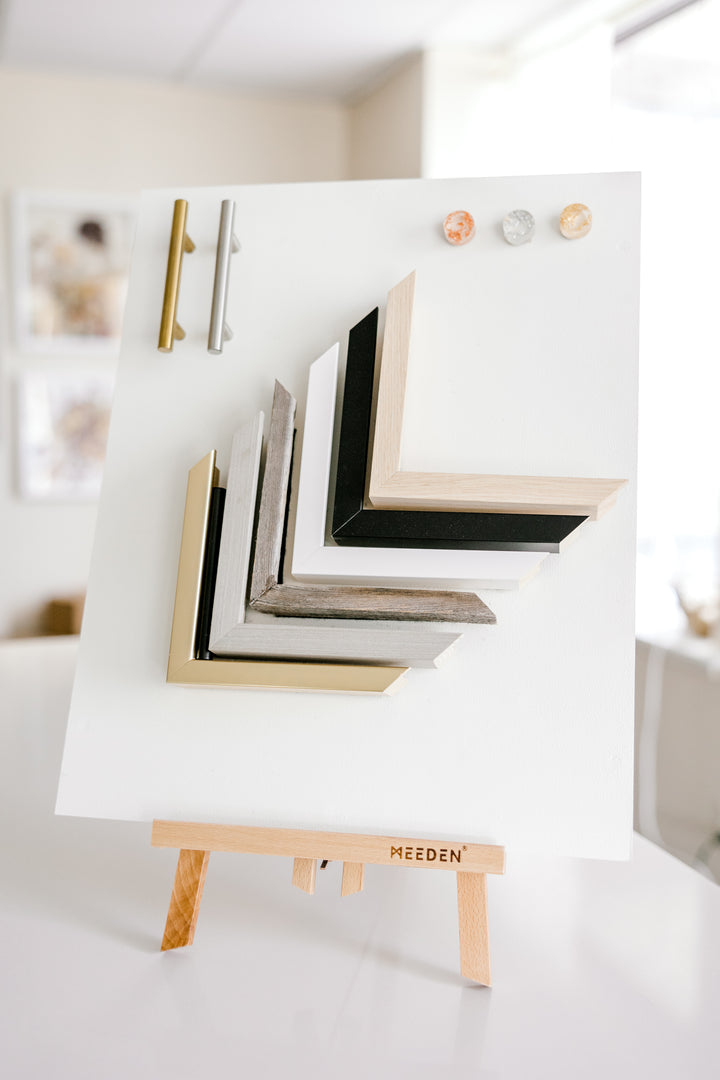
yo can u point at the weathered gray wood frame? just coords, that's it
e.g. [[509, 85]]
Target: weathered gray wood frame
[[269, 594]]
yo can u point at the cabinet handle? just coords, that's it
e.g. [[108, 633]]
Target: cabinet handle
[[226, 246], [170, 329]]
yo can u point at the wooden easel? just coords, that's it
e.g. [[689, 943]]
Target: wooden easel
[[471, 862]]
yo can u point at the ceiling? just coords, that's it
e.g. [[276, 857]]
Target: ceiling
[[314, 48]]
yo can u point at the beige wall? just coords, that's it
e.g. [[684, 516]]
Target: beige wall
[[385, 127], [126, 135], [64, 132], [109, 135]]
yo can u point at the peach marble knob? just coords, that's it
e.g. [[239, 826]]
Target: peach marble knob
[[459, 227], [575, 221]]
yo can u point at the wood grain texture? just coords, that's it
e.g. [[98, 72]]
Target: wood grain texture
[[357, 524], [268, 594], [186, 670], [342, 847], [410, 605], [417, 567], [565, 495], [390, 404], [353, 878], [303, 875], [237, 532], [473, 925], [273, 500], [232, 636], [391, 488], [185, 899]]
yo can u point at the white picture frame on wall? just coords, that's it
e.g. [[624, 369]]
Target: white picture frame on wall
[[70, 266], [62, 425]]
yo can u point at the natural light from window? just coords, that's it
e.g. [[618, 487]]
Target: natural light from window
[[666, 120]]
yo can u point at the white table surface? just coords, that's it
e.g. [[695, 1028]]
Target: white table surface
[[600, 969]]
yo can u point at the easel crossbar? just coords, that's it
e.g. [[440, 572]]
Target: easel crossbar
[[341, 847]]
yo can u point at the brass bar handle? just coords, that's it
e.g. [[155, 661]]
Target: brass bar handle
[[170, 329], [227, 244]]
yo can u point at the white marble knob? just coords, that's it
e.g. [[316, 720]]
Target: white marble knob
[[518, 227]]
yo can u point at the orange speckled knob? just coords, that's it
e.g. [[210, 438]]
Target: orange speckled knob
[[459, 227]]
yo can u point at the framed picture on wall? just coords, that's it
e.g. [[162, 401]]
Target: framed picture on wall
[[71, 258], [62, 426]]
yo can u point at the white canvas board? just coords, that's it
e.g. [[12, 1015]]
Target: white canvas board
[[523, 360]]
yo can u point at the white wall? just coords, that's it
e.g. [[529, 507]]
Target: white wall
[[510, 114], [109, 135]]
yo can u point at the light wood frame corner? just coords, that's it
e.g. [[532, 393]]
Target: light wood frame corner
[[389, 487], [315, 561]]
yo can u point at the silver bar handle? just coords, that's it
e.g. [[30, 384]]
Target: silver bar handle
[[226, 246]]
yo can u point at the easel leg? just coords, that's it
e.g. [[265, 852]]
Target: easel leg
[[473, 921], [353, 876], [304, 874], [185, 900]]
